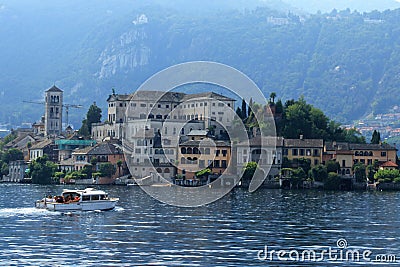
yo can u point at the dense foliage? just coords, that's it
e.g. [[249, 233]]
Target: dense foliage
[[42, 170]]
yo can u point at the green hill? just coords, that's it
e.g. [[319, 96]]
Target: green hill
[[346, 63]]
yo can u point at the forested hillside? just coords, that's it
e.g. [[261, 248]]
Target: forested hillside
[[344, 62]]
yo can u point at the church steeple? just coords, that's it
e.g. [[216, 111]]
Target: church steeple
[[53, 110]]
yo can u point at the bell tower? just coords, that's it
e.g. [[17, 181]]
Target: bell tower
[[53, 111]]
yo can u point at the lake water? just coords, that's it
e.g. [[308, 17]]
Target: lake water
[[238, 230]]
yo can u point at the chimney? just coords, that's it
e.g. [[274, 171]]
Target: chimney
[[301, 137]]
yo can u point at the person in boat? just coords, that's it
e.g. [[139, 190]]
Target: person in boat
[[76, 199]]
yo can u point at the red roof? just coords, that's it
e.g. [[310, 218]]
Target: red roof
[[389, 164]]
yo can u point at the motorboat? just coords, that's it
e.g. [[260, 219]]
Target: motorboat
[[88, 199]]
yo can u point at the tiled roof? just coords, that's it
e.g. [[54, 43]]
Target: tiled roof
[[42, 144], [54, 89], [106, 148], [382, 146], [205, 143], [207, 95], [158, 96], [336, 145], [84, 150], [117, 97], [303, 143], [67, 162], [266, 141], [389, 164]]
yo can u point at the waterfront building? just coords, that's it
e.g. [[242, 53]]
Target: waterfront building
[[22, 142], [53, 111], [17, 171], [369, 153], [266, 151], [152, 145], [209, 107], [312, 149], [348, 154], [66, 146], [45, 147], [198, 154]]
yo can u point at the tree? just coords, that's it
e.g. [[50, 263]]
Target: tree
[[387, 175], [41, 170], [107, 169], [305, 164], [298, 176], [371, 173], [272, 97], [119, 164], [4, 169], [244, 110], [203, 173], [376, 137], [12, 154], [359, 170], [332, 182], [249, 170], [319, 173], [279, 107], [92, 116], [332, 166]]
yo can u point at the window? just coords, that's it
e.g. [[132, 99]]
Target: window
[[383, 154], [301, 152], [216, 163], [343, 163], [308, 152], [201, 163], [316, 152], [294, 152], [143, 105], [95, 197], [224, 152], [223, 163], [166, 106]]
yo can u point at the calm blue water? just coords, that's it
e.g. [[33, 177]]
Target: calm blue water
[[230, 232]]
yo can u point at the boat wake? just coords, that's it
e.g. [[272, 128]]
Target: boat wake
[[9, 212]]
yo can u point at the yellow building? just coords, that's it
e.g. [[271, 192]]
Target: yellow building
[[196, 155], [369, 153], [312, 149]]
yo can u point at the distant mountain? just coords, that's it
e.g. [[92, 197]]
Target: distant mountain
[[345, 63], [313, 6]]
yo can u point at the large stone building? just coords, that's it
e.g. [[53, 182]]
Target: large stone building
[[215, 110], [53, 111]]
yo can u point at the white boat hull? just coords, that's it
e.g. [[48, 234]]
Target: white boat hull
[[76, 200], [98, 205]]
